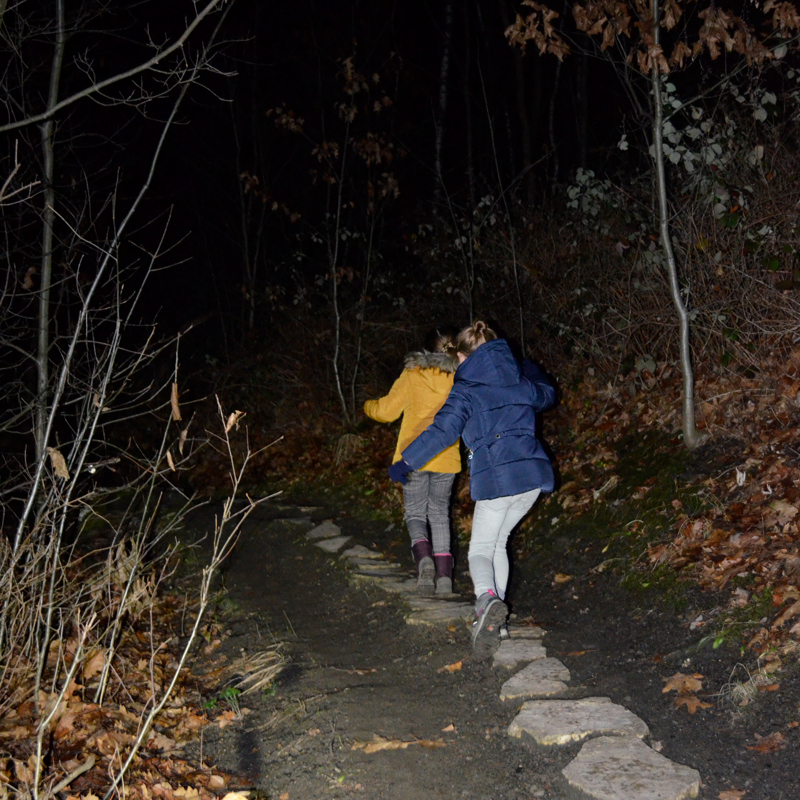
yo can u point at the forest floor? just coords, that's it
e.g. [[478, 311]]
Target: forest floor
[[358, 671]]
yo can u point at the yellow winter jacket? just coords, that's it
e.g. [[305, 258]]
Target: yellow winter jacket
[[418, 394]]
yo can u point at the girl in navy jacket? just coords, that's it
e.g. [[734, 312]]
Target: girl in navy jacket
[[492, 407]]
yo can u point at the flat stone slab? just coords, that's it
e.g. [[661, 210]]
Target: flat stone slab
[[622, 769], [513, 652], [333, 545], [530, 632], [373, 564], [445, 614], [564, 721], [359, 551], [325, 530], [546, 677]]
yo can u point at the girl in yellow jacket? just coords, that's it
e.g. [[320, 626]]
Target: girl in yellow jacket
[[418, 394]]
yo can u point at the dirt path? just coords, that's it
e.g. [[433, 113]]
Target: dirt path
[[357, 671]]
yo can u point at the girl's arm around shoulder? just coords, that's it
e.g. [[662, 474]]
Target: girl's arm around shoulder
[[390, 407], [543, 392], [445, 429]]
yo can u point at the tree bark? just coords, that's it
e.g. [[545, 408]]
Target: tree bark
[[443, 76], [691, 437], [46, 266]]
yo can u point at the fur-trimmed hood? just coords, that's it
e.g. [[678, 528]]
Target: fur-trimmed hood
[[425, 360]]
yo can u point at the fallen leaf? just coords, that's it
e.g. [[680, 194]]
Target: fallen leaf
[[360, 671], [692, 702], [731, 794], [216, 781], [449, 729], [379, 743], [451, 667], [225, 718], [284, 796], [768, 744], [772, 687], [236, 796], [793, 724], [576, 653], [560, 577], [93, 665], [430, 743], [683, 684]]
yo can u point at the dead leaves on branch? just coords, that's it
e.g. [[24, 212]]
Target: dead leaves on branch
[[719, 31]]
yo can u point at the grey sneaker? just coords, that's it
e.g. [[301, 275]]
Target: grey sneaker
[[492, 613], [444, 585], [426, 571]]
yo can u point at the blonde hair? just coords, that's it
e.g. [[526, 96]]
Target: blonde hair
[[473, 336]]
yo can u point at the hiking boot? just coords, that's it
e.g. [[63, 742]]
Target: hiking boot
[[492, 613], [444, 585], [444, 573], [426, 569]]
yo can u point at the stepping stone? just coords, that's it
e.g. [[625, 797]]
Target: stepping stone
[[543, 678], [563, 721], [333, 545], [622, 768], [359, 551], [445, 614], [515, 651], [531, 632], [325, 530], [296, 520], [373, 565]]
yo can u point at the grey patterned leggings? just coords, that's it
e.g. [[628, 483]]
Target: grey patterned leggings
[[426, 499]]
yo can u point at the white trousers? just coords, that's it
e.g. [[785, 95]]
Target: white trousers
[[492, 524]]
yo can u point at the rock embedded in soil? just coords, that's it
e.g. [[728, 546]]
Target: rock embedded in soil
[[373, 565], [333, 545], [514, 651], [546, 677], [614, 768], [563, 721], [442, 614], [530, 632], [325, 530], [359, 551]]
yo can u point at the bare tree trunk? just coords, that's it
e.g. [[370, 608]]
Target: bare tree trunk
[[48, 217], [583, 109], [691, 438], [443, 74]]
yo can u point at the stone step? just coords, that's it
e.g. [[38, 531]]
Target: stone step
[[325, 530], [373, 565], [333, 545], [546, 677], [563, 721], [624, 768], [359, 551], [528, 632], [442, 614], [515, 651]]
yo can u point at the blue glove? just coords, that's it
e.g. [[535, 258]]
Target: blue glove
[[398, 472]]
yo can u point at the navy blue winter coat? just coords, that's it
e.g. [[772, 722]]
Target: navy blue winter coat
[[492, 407]]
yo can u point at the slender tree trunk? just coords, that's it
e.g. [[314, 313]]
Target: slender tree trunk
[[691, 437], [48, 218], [521, 93], [443, 75], [583, 109]]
